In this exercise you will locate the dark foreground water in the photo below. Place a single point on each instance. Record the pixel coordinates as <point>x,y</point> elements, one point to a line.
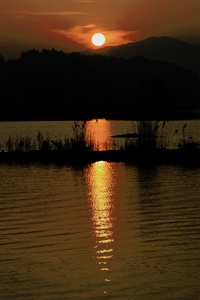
<point>105,231</point>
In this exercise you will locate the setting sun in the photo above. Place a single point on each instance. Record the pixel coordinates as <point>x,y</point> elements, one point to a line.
<point>98,39</point>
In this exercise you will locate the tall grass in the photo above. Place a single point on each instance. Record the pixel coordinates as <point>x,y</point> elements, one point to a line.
<point>19,143</point>
<point>188,143</point>
<point>77,142</point>
<point>150,135</point>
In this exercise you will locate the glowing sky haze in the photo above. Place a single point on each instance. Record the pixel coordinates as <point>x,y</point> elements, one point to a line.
<point>68,25</point>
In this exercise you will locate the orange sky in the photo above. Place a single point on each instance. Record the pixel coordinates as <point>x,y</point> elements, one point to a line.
<point>69,24</point>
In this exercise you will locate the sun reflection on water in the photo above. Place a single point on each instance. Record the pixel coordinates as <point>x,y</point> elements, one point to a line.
<point>99,133</point>
<point>101,181</point>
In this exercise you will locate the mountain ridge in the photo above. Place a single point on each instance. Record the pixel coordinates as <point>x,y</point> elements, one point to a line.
<point>52,84</point>
<point>163,48</point>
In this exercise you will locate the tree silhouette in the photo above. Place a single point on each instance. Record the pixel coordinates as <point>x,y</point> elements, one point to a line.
<point>52,84</point>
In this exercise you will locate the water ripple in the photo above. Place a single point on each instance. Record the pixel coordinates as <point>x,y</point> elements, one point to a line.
<point>107,230</point>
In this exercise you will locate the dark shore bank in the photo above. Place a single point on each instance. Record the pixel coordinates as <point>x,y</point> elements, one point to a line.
<point>154,157</point>
<point>133,114</point>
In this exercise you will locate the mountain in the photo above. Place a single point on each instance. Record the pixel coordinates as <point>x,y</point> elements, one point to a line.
<point>55,85</point>
<point>162,48</point>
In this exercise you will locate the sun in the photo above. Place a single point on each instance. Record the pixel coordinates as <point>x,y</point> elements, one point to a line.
<point>98,39</point>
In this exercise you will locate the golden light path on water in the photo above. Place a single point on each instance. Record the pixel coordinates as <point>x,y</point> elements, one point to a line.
<point>100,178</point>
<point>98,132</point>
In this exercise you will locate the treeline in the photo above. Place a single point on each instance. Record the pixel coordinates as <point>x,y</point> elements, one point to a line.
<point>55,85</point>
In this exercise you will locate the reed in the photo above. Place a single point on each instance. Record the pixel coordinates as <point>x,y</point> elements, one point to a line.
<point>150,135</point>
<point>188,143</point>
<point>76,143</point>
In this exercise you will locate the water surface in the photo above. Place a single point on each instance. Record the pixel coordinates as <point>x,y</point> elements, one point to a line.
<point>104,231</point>
<point>99,132</point>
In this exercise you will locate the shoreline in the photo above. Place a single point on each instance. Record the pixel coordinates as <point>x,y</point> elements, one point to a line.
<point>131,115</point>
<point>136,156</point>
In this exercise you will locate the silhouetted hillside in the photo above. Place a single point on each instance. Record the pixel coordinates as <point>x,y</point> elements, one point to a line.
<point>54,85</point>
<point>159,48</point>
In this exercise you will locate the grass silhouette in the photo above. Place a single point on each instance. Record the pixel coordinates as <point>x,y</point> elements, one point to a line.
<point>150,143</point>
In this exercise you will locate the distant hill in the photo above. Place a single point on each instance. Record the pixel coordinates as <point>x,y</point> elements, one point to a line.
<point>159,48</point>
<point>54,85</point>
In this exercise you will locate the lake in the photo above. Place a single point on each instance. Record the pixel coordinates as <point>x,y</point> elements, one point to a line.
<point>102,231</point>
<point>100,131</point>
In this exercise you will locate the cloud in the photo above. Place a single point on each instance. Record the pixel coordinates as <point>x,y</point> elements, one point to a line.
<point>82,35</point>
<point>86,1</point>
<point>118,37</point>
<point>48,13</point>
